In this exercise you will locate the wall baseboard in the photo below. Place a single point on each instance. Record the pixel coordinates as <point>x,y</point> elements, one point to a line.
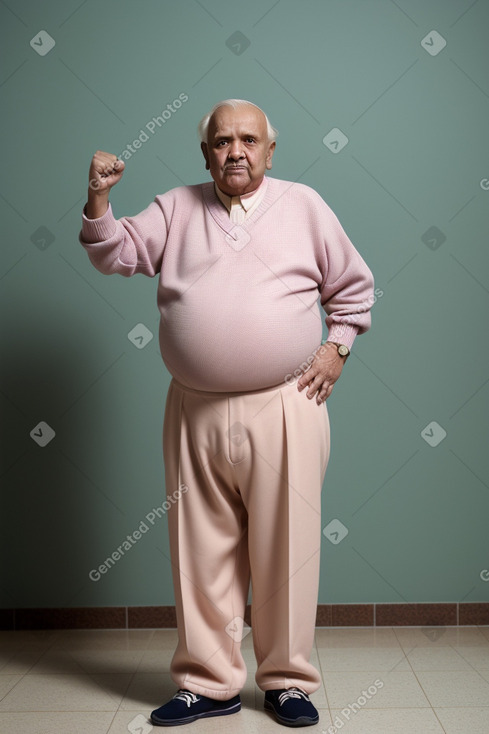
<point>328,615</point>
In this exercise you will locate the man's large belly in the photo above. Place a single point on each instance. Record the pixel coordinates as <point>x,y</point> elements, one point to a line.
<point>225,341</point>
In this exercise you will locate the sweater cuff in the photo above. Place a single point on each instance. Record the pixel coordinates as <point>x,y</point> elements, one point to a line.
<point>100,229</point>
<point>343,334</point>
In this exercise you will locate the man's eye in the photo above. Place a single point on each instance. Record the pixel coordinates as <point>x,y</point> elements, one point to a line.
<point>221,142</point>
<point>250,140</point>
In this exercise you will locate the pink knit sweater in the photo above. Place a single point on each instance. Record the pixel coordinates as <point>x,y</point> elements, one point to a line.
<point>239,303</point>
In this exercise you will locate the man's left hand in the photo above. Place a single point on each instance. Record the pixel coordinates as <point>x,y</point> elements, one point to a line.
<point>321,376</point>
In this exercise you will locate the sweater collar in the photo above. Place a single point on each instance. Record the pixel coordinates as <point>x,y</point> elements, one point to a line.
<point>215,206</point>
<point>246,200</point>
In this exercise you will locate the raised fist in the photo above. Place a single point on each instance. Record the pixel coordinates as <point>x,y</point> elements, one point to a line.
<point>105,171</point>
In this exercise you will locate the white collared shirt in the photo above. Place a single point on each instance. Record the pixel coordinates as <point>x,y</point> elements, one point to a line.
<point>240,207</point>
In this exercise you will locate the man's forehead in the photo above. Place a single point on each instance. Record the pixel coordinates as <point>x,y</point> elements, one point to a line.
<point>249,118</point>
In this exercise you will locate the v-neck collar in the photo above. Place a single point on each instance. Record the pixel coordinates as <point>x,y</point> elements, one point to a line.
<point>246,201</point>
<point>221,216</point>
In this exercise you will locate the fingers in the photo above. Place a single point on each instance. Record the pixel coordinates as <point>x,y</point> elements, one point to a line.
<point>306,378</point>
<point>319,377</point>
<point>317,385</point>
<point>312,380</point>
<point>314,386</point>
<point>103,166</point>
<point>107,163</point>
<point>324,394</point>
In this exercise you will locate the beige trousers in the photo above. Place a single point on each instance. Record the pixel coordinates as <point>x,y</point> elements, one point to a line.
<point>252,466</point>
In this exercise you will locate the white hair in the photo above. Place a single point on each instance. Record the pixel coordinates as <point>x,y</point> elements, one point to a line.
<point>234,103</point>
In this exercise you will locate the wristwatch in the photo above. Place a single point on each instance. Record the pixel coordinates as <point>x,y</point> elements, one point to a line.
<point>343,350</point>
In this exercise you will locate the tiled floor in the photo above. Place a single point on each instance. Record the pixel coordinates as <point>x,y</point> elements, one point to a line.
<point>397,680</point>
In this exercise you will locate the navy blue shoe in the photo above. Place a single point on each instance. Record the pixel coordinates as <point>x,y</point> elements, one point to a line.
<point>186,706</point>
<point>291,707</point>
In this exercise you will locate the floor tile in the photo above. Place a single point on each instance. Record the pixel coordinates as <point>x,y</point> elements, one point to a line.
<point>385,690</point>
<point>484,674</point>
<point>155,661</point>
<point>163,640</point>
<point>455,689</point>
<point>66,693</point>
<point>7,682</point>
<point>51,722</point>
<point>19,662</point>
<point>387,721</point>
<point>410,637</point>
<point>148,691</point>
<point>102,640</point>
<point>460,720</point>
<point>27,639</point>
<point>137,722</point>
<point>363,658</point>
<point>438,658</point>
<point>395,680</point>
<point>87,661</point>
<point>356,637</point>
<point>477,657</point>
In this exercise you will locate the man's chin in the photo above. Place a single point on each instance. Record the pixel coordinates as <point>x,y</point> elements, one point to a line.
<point>235,185</point>
<point>240,174</point>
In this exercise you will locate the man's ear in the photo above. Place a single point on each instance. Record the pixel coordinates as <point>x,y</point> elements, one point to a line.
<point>203,147</point>
<point>270,154</point>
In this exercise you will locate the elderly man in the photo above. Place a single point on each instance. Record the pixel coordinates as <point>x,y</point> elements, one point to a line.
<point>242,261</point>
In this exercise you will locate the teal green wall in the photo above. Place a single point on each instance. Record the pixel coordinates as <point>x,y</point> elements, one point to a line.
<point>417,126</point>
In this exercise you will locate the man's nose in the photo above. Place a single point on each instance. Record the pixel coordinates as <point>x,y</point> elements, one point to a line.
<point>236,150</point>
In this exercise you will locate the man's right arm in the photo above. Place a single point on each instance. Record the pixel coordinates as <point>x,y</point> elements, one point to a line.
<point>126,246</point>
<point>106,170</point>
<point>96,206</point>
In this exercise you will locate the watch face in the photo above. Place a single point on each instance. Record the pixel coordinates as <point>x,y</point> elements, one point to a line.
<point>343,350</point>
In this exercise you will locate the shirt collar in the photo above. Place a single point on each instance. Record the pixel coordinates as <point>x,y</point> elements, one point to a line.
<point>246,200</point>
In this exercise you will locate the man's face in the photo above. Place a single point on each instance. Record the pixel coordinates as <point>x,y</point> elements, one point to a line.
<point>237,151</point>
